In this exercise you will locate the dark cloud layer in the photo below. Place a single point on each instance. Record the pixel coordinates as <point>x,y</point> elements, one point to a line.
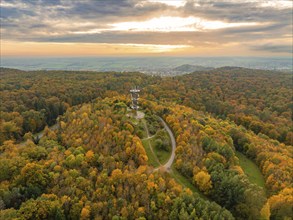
<point>275,48</point>
<point>57,20</point>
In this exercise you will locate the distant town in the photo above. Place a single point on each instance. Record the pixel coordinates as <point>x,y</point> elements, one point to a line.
<point>162,66</point>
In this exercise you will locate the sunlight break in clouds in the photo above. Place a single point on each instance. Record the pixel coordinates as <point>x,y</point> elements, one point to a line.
<point>168,24</point>
<point>175,24</point>
<point>175,3</point>
<point>156,48</point>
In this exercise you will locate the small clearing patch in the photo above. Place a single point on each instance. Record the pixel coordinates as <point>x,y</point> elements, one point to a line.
<point>152,158</point>
<point>251,170</point>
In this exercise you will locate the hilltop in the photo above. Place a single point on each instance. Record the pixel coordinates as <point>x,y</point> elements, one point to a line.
<point>231,125</point>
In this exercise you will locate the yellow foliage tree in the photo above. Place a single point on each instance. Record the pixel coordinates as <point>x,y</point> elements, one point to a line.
<point>89,155</point>
<point>265,211</point>
<point>85,213</point>
<point>203,180</point>
<point>116,174</point>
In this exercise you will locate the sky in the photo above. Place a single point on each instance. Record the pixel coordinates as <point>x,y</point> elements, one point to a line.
<point>146,28</point>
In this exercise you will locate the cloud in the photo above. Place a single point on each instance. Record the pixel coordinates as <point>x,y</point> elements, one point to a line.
<point>237,11</point>
<point>210,22</point>
<point>274,48</point>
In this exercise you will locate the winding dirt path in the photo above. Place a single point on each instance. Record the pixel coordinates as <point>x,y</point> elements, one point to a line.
<point>167,166</point>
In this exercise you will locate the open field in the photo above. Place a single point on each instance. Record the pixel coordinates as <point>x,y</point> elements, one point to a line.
<point>152,159</point>
<point>251,170</point>
<point>162,155</point>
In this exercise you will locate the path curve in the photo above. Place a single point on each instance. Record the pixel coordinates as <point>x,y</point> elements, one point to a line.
<point>40,134</point>
<point>168,165</point>
<point>53,128</point>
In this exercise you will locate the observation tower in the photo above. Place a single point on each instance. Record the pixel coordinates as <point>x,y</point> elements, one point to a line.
<point>134,98</point>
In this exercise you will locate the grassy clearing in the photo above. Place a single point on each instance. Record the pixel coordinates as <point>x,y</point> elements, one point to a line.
<point>133,121</point>
<point>152,159</point>
<point>251,170</point>
<point>185,182</point>
<point>162,155</point>
<point>159,155</point>
<point>140,125</point>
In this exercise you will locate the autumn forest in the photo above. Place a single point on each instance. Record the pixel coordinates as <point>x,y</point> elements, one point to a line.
<point>72,148</point>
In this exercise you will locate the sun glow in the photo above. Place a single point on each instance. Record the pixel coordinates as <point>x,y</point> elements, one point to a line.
<point>168,24</point>
<point>161,24</point>
<point>156,48</point>
<point>176,24</point>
